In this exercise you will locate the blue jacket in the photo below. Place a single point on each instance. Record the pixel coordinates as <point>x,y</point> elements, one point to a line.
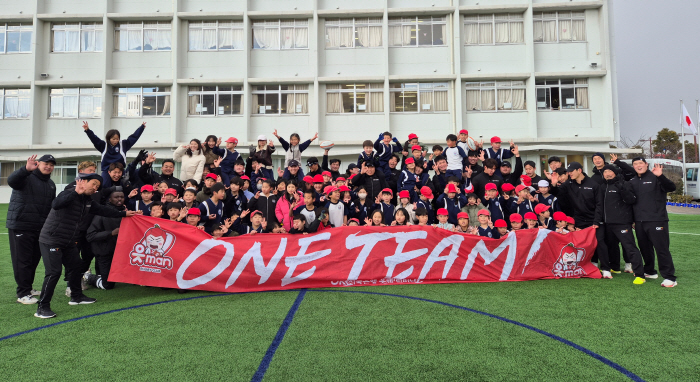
<point>112,154</point>
<point>498,208</point>
<point>407,181</point>
<point>367,158</point>
<point>453,206</point>
<point>384,152</point>
<point>489,232</point>
<point>230,158</point>
<point>138,205</point>
<point>500,155</point>
<point>288,175</point>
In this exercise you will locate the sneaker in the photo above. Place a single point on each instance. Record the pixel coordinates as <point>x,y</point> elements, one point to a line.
<point>81,300</point>
<point>68,291</point>
<point>614,271</point>
<point>668,283</point>
<point>628,268</point>
<point>35,292</point>
<point>654,276</point>
<point>44,313</point>
<point>639,281</point>
<point>27,300</point>
<point>83,281</point>
<point>606,274</point>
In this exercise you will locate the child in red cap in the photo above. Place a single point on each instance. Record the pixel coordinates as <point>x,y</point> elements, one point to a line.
<point>530,220</point>
<point>442,216</point>
<point>383,203</point>
<point>516,222</point>
<point>502,227</point>
<point>496,204</point>
<point>485,228</point>
<point>452,200</point>
<point>543,217</point>
<point>525,202</point>
<point>407,179</point>
<point>498,153</point>
<point>463,224</point>
<point>424,201</point>
<point>560,220</point>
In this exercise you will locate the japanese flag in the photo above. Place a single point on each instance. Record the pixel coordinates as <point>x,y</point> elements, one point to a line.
<point>687,122</point>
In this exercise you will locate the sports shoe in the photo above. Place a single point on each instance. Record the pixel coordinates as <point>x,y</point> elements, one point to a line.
<point>81,300</point>
<point>35,292</point>
<point>654,276</point>
<point>668,283</point>
<point>27,300</point>
<point>628,268</point>
<point>606,274</point>
<point>83,281</point>
<point>44,313</point>
<point>68,291</point>
<point>639,281</point>
<point>614,271</point>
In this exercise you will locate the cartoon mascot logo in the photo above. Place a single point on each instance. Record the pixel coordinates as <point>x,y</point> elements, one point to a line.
<point>151,250</point>
<point>567,265</point>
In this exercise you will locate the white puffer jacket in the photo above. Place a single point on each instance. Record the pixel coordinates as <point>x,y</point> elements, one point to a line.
<point>192,166</point>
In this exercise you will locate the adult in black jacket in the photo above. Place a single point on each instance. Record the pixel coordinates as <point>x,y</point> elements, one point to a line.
<point>148,176</point>
<point>490,175</point>
<point>617,199</point>
<point>371,178</point>
<point>512,175</point>
<point>651,219</point>
<point>30,203</point>
<point>102,235</point>
<point>59,236</point>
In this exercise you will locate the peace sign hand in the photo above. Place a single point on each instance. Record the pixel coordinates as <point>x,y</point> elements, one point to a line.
<point>85,126</point>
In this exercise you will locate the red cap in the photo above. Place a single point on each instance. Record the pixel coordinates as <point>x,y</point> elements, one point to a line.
<point>427,192</point>
<point>442,211</point>
<point>147,188</point>
<point>326,173</point>
<point>404,194</point>
<point>451,188</point>
<point>352,176</point>
<point>388,190</point>
<point>318,178</point>
<point>356,220</point>
<point>194,211</point>
<point>491,186</point>
<point>520,188</point>
<point>232,140</point>
<point>340,179</point>
<point>328,189</point>
<point>526,180</point>
<point>416,147</point>
<point>308,179</point>
<point>171,191</point>
<point>245,177</point>
<point>484,212</point>
<point>211,175</point>
<point>500,223</point>
<point>570,220</point>
<point>410,160</point>
<point>540,208</point>
<point>507,187</point>
<point>559,216</point>
<point>344,188</point>
<point>256,212</point>
<point>462,215</point>
<point>464,132</point>
<point>516,218</point>
<point>530,216</point>
<point>412,136</point>
<point>495,140</point>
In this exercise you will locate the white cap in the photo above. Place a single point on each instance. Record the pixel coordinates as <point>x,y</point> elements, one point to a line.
<point>542,183</point>
<point>262,138</point>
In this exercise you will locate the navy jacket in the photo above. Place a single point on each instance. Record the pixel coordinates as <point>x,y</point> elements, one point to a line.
<point>453,206</point>
<point>112,154</point>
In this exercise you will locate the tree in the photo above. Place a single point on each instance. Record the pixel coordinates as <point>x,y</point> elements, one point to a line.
<point>691,155</point>
<point>667,142</point>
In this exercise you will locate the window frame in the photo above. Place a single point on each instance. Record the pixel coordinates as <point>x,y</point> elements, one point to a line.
<point>20,27</point>
<point>81,28</point>
<point>560,86</point>
<point>354,32</point>
<point>215,28</point>
<point>497,85</point>
<point>493,23</point>
<point>420,90</point>
<point>128,27</point>
<point>279,92</point>
<point>415,23</point>
<point>79,94</point>
<point>4,97</point>
<point>140,95</point>
<point>216,93</point>
<point>542,18</point>
<point>279,28</point>
<point>354,91</point>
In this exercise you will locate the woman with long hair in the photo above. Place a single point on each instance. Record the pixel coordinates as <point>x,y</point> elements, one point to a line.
<point>192,160</point>
<point>210,143</point>
<point>286,203</point>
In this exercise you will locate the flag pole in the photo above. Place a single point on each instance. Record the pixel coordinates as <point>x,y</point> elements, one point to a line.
<point>695,136</point>
<point>685,191</point>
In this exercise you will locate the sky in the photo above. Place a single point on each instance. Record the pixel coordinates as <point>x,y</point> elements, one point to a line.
<point>658,64</point>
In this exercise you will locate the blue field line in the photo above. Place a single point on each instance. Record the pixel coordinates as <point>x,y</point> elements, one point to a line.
<point>265,363</point>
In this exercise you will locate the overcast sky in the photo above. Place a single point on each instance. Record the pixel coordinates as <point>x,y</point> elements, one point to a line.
<point>658,63</point>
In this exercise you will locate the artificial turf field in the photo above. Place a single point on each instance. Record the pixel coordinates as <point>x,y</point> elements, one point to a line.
<point>622,331</point>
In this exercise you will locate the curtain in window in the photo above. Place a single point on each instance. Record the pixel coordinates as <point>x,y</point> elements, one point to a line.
<point>287,37</point>
<point>485,34</point>
<point>301,37</point>
<point>267,38</point>
<point>473,100</point>
<point>11,107</point>
<point>237,39</point>
<point>118,106</point>
<point>334,103</point>
<point>537,32</point>
<point>427,102</point>
<point>86,110</point>
<point>302,99</point>
<point>369,36</point>
<point>150,39</point>
<point>406,33</point>
<point>209,39</point>
<point>332,37</point>
<point>376,102</point>
<point>582,94</point>
<point>70,107</point>
<point>196,39</point>
<point>225,38</point>
<point>565,30</point>
<point>255,104</point>
<point>98,41</point>
<point>441,103</point>
<point>505,96</point>
<point>395,35</point>
<point>393,99</point>
<point>166,104</point>
<point>502,33</point>
<point>72,41</point>
<point>290,105</point>
<point>59,41</point>
<point>518,99</point>
<point>471,33</point>
<point>516,33</point>
<point>345,37</point>
<point>579,30</point>
<point>87,41</point>
<point>165,36</point>
<point>134,42</point>
<point>549,29</point>
<point>23,107</point>
<point>56,106</point>
<point>488,100</point>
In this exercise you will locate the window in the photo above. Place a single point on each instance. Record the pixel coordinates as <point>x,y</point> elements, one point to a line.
<point>64,173</point>
<point>354,33</point>
<point>417,31</point>
<point>7,168</point>
<point>354,98</point>
<point>500,28</point>
<point>14,103</point>
<point>562,94</point>
<point>76,103</point>
<point>281,99</point>
<point>418,97</point>
<point>215,100</point>
<point>142,102</point>
<point>691,174</point>
<point>559,26</point>
<point>496,96</point>
<point>76,37</point>
<point>142,36</point>
<point>281,34</point>
<point>15,38</point>
<point>216,35</point>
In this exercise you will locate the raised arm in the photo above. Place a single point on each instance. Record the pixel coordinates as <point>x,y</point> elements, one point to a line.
<point>131,141</point>
<point>96,141</point>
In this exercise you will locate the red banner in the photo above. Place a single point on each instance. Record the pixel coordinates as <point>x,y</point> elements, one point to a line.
<point>160,253</point>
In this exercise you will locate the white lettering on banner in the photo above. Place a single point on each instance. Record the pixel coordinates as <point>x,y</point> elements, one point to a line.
<point>367,242</point>
<point>455,241</point>
<point>262,270</point>
<point>201,249</point>
<point>302,257</point>
<point>399,256</point>
<point>541,235</point>
<point>480,249</point>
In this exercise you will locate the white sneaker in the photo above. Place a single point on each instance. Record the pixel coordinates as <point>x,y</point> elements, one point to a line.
<point>606,274</point>
<point>654,276</point>
<point>27,300</point>
<point>35,292</point>
<point>68,291</point>
<point>628,268</point>
<point>668,283</point>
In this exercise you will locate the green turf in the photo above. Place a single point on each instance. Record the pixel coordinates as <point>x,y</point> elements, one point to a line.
<point>649,330</point>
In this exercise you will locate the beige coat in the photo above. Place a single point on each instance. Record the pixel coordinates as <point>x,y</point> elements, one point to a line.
<point>192,166</point>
